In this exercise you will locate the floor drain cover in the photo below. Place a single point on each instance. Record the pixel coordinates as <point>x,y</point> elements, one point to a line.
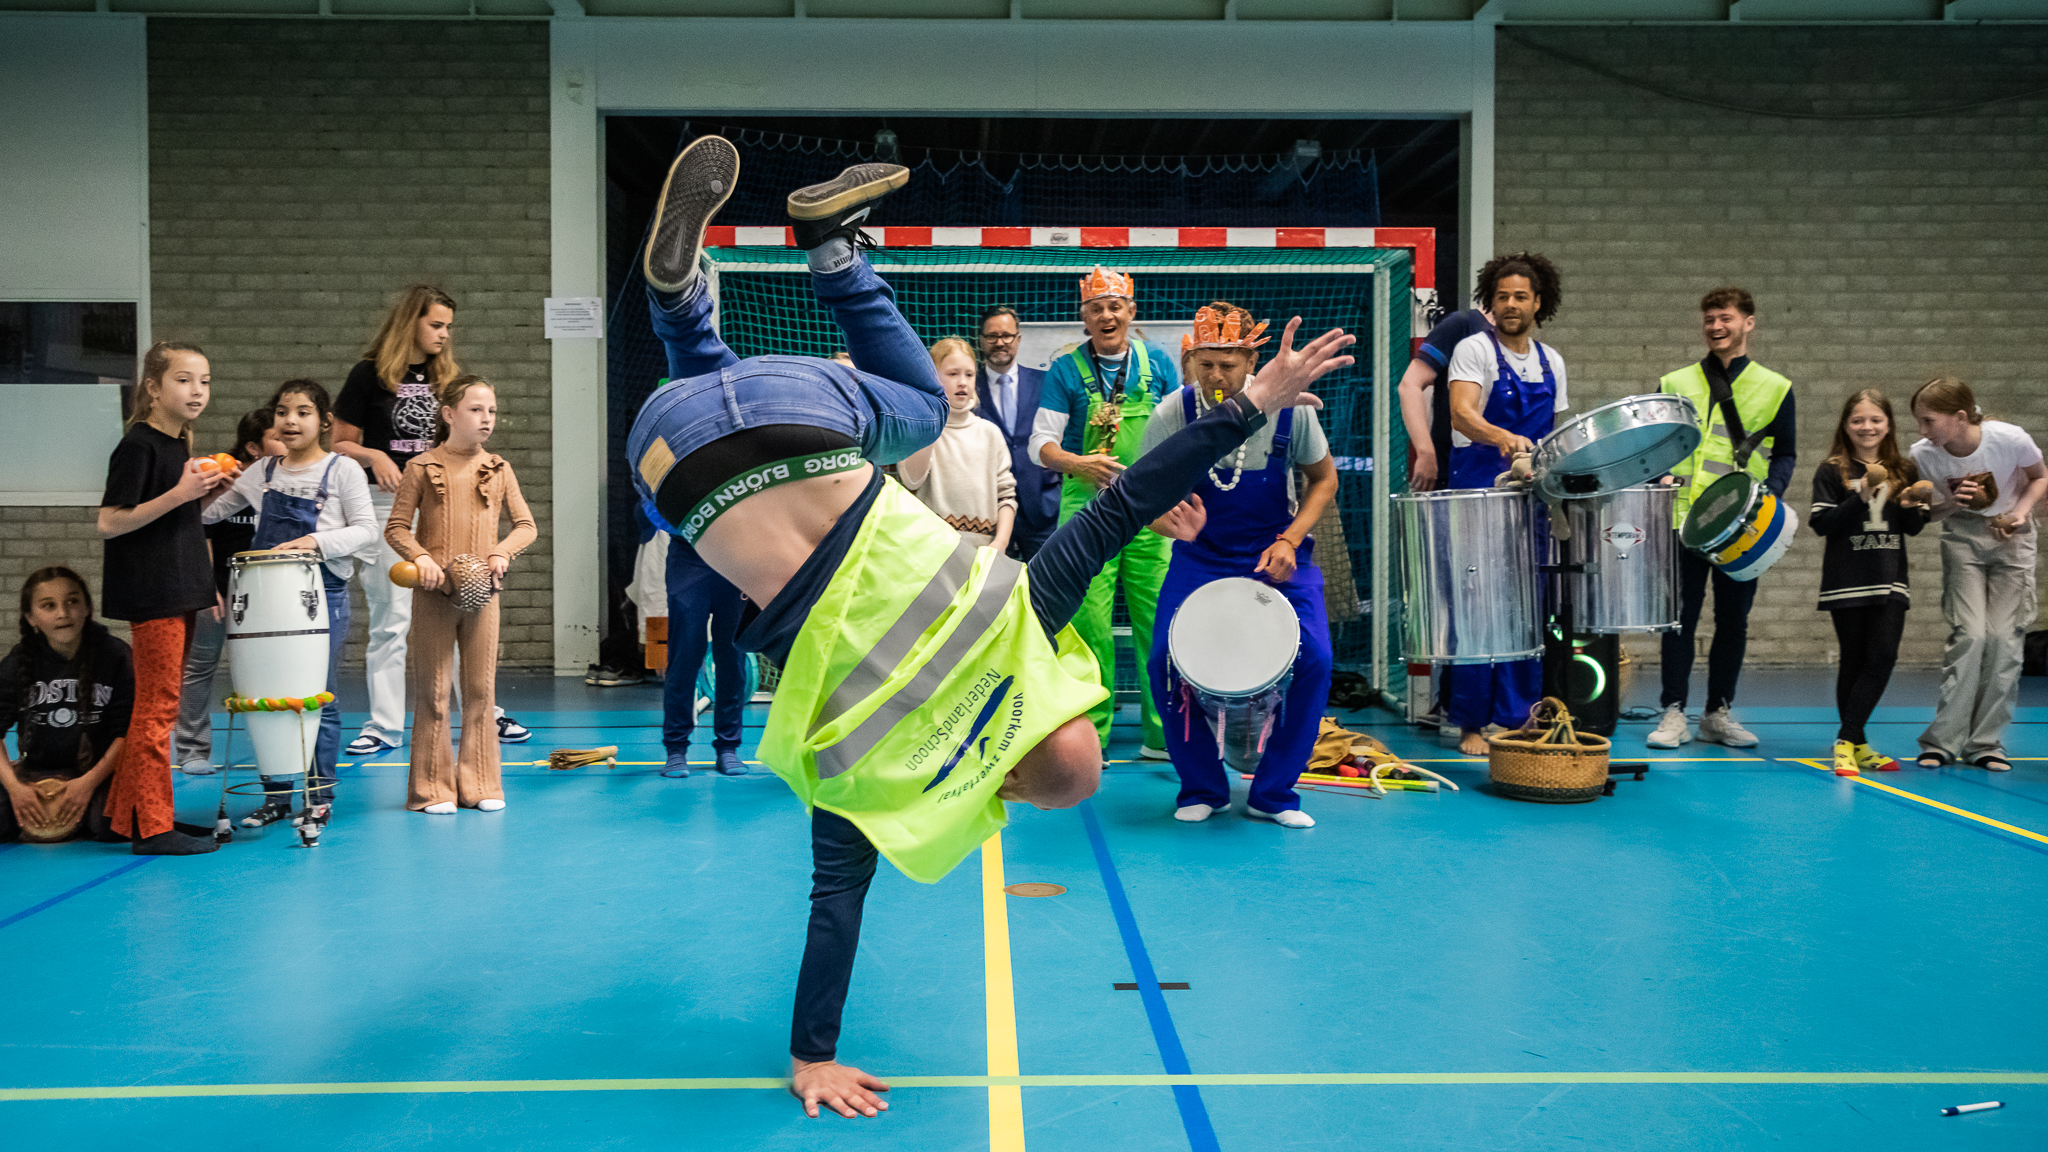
<point>1034,889</point>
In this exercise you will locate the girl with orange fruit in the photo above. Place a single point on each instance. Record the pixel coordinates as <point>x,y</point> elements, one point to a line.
<point>157,575</point>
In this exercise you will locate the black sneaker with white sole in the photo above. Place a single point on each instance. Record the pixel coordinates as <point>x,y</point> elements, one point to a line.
<point>840,207</point>
<point>511,731</point>
<point>368,745</point>
<point>699,183</point>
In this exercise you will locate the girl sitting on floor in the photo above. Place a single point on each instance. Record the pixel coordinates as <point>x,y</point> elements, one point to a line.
<point>70,685</point>
<point>1865,506</point>
<point>459,491</point>
<point>310,500</point>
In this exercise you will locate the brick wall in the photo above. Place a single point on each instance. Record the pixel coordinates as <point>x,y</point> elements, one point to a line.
<point>1879,250</point>
<point>302,172</point>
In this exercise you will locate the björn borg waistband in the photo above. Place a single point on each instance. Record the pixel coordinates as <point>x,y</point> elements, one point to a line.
<point>769,475</point>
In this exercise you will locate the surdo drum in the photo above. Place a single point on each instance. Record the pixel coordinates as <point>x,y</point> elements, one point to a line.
<point>1233,644</point>
<point>277,645</point>
<point>1739,526</point>
<point>1630,559</point>
<point>1468,567</point>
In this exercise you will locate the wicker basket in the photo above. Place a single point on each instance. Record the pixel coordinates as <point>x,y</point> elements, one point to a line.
<point>1548,762</point>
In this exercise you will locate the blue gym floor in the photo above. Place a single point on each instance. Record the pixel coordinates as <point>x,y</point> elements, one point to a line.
<point>1740,951</point>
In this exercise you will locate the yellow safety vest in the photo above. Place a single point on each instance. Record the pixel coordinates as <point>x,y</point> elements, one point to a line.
<point>919,679</point>
<point>1758,393</point>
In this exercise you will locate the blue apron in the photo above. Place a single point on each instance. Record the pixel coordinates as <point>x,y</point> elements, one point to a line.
<point>1243,523</point>
<point>1515,405</point>
<point>1475,695</point>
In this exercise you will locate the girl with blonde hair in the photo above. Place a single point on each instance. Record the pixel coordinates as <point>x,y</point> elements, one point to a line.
<point>965,475</point>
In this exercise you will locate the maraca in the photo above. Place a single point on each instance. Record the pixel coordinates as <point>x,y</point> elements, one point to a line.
<point>405,574</point>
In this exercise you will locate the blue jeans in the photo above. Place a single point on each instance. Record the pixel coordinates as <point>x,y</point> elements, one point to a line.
<point>890,402</point>
<point>703,608</point>
<point>327,746</point>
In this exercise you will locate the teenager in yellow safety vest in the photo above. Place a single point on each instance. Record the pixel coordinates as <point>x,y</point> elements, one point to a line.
<point>1747,422</point>
<point>924,681</point>
<point>1092,412</point>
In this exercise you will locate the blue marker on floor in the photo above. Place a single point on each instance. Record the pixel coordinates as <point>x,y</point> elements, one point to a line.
<point>1959,1109</point>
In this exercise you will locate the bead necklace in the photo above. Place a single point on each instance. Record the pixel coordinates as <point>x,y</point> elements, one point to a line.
<point>1237,463</point>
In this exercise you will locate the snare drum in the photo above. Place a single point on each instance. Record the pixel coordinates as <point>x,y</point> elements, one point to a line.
<point>1233,643</point>
<point>1615,446</point>
<point>1739,526</point>
<point>277,647</point>
<point>1468,567</point>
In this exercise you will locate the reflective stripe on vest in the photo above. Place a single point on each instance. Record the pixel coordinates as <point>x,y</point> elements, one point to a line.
<point>867,677</point>
<point>988,604</point>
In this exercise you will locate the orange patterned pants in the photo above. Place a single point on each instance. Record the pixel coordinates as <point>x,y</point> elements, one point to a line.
<point>139,803</point>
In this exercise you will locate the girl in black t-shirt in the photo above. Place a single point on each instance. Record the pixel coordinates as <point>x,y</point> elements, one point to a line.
<point>382,419</point>
<point>157,574</point>
<point>1863,506</point>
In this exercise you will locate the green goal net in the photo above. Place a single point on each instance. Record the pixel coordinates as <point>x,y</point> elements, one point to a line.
<point>765,307</point>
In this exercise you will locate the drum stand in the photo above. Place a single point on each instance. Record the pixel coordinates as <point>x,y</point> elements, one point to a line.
<point>1559,651</point>
<point>310,819</point>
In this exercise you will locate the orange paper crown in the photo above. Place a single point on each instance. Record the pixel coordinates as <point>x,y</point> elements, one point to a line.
<point>1215,329</point>
<point>1104,283</point>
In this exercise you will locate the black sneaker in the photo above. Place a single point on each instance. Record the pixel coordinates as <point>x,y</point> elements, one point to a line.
<point>620,677</point>
<point>270,813</point>
<point>173,843</point>
<point>511,731</point>
<point>841,206</point>
<point>698,184</point>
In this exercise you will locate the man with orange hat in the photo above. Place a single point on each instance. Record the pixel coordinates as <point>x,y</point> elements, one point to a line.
<point>1093,408</point>
<point>1249,516</point>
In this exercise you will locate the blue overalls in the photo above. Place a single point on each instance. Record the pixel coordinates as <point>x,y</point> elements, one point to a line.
<point>1243,523</point>
<point>1475,695</point>
<point>284,517</point>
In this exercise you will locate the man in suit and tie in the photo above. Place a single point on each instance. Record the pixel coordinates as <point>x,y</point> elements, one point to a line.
<point>1008,394</point>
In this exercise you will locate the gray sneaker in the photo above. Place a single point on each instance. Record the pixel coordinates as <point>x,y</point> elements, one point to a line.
<point>1721,727</point>
<point>699,182</point>
<point>1672,730</point>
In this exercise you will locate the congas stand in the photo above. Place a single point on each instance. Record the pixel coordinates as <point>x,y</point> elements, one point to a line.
<point>1561,655</point>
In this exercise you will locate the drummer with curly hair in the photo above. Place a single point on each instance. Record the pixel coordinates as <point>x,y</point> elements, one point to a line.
<point>1249,516</point>
<point>1505,393</point>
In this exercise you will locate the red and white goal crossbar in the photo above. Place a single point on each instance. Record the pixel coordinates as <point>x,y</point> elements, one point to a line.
<point>1421,243</point>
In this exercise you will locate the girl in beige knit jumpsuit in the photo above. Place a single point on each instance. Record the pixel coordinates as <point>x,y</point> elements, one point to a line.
<point>459,491</point>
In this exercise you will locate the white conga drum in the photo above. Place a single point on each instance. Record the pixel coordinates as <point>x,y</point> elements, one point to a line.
<point>1233,644</point>
<point>277,646</point>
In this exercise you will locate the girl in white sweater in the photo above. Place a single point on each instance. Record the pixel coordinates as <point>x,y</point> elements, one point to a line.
<point>965,475</point>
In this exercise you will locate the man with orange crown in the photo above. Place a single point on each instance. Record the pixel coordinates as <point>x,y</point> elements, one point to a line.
<point>1093,409</point>
<point>1250,516</point>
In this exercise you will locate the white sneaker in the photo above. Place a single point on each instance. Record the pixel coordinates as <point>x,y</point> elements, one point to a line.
<point>490,805</point>
<point>1196,813</point>
<point>1148,753</point>
<point>444,808</point>
<point>1721,727</point>
<point>1291,818</point>
<point>1672,730</point>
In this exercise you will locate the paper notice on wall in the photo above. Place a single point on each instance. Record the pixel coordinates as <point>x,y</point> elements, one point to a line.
<point>575,317</point>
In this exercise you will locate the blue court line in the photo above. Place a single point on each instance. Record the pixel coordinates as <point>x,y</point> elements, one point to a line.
<point>61,897</point>
<point>1194,1115</point>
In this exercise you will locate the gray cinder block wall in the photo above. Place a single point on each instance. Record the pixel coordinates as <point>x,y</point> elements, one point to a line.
<point>302,172</point>
<point>1880,250</point>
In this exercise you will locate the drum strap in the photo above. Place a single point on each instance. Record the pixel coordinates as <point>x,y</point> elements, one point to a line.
<point>1721,392</point>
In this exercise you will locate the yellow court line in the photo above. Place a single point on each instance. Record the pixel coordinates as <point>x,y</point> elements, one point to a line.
<point>1915,796</point>
<point>1013,1083</point>
<point>1005,1101</point>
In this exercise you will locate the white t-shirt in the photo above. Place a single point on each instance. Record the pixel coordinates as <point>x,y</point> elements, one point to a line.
<point>1473,360</point>
<point>2005,451</point>
<point>346,525</point>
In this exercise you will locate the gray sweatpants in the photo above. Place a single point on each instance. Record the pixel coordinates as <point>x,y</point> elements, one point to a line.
<point>1987,596</point>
